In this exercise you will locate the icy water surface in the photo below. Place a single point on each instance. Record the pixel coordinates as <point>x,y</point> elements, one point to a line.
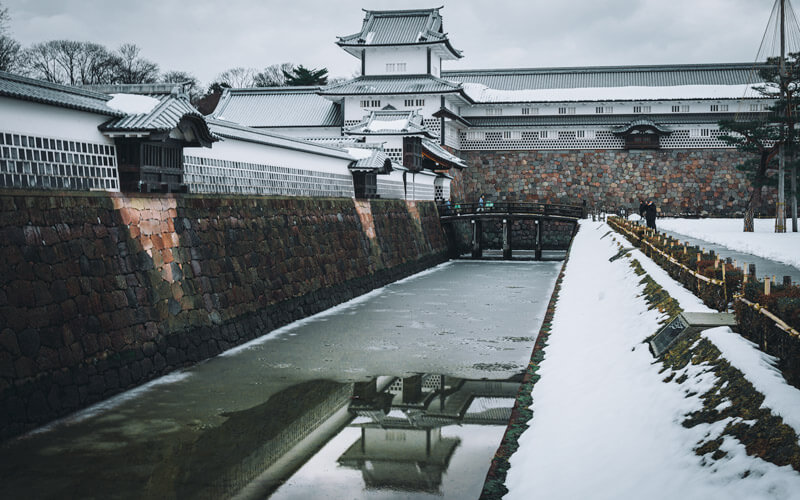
<point>402,393</point>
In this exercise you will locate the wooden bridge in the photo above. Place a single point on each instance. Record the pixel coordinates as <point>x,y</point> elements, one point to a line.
<point>508,213</point>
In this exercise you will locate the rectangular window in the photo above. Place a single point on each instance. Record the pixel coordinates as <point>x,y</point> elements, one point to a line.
<point>420,102</point>
<point>530,111</point>
<point>585,134</point>
<point>494,111</point>
<point>545,134</point>
<point>409,102</point>
<point>758,107</point>
<point>475,135</point>
<point>368,103</point>
<point>700,132</point>
<point>390,67</point>
<point>641,109</point>
<point>685,108</point>
<point>676,109</point>
<point>566,111</point>
<point>714,108</point>
<point>401,67</point>
<point>604,109</point>
<point>512,135</point>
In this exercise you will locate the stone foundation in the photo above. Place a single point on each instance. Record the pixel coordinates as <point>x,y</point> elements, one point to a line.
<point>102,292</point>
<point>680,181</point>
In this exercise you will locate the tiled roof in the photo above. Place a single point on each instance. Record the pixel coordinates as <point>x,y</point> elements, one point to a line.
<point>65,96</point>
<point>165,116</point>
<point>279,107</point>
<point>377,162</point>
<point>399,27</point>
<point>390,122</point>
<point>441,155</point>
<point>230,130</point>
<point>382,85</point>
<point>641,122</point>
<point>599,120</point>
<point>609,76</point>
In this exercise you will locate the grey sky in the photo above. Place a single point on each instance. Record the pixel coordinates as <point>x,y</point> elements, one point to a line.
<point>206,37</point>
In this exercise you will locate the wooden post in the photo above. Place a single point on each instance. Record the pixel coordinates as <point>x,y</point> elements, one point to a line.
<point>477,250</point>
<point>766,285</point>
<point>507,239</point>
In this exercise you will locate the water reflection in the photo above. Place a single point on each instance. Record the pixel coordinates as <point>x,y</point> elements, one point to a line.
<point>350,404</point>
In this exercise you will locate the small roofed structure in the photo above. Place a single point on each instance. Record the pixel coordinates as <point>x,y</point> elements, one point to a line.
<point>390,122</point>
<point>416,27</point>
<point>160,121</point>
<point>366,168</point>
<point>641,134</point>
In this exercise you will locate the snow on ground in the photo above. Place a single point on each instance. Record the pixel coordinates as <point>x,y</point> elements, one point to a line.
<point>764,242</point>
<point>605,425</point>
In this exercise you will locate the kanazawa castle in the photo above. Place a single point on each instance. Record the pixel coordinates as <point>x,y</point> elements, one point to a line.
<point>409,128</point>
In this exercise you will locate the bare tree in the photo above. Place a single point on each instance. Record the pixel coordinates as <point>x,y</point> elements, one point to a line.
<point>190,83</point>
<point>69,62</point>
<point>9,48</point>
<point>130,68</point>
<point>237,77</point>
<point>273,75</point>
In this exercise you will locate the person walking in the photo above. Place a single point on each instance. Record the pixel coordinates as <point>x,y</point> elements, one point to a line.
<point>650,214</point>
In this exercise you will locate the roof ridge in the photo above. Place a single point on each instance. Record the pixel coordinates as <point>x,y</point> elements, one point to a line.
<point>70,89</point>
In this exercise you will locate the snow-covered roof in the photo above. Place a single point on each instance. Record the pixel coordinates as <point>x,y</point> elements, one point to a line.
<point>483,94</point>
<point>610,76</point>
<point>65,96</point>
<point>390,122</point>
<point>400,27</point>
<point>230,130</point>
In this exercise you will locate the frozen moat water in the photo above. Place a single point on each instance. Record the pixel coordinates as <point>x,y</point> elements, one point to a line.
<point>402,393</point>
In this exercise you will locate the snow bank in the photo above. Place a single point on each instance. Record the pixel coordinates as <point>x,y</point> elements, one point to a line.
<point>605,425</point>
<point>764,242</point>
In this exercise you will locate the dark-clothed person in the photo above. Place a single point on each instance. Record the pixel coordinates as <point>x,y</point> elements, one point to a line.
<point>650,214</point>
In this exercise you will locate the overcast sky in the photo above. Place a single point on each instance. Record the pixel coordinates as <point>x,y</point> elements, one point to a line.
<point>206,37</point>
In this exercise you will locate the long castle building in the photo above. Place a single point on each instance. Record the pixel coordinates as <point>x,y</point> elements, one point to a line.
<point>608,136</point>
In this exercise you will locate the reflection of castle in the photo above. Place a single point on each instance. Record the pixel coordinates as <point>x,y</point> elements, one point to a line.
<point>401,444</point>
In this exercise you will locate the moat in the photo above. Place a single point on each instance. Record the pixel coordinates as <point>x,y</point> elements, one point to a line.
<point>402,393</point>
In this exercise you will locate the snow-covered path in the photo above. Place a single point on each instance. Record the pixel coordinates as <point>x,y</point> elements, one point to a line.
<point>605,425</point>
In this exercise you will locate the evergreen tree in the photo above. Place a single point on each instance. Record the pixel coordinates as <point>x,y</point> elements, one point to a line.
<point>304,76</point>
<point>763,137</point>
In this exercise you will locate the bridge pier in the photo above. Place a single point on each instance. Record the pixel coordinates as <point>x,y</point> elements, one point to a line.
<point>477,248</point>
<point>507,223</point>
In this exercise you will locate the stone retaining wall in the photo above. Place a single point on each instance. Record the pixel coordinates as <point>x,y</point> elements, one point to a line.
<point>101,292</point>
<point>679,181</point>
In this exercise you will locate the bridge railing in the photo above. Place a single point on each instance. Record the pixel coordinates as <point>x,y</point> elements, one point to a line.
<point>511,208</point>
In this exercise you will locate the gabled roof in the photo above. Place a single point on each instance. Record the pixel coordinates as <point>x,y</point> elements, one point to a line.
<point>390,122</point>
<point>279,107</point>
<point>642,123</point>
<point>230,130</point>
<point>29,89</point>
<point>375,161</point>
<point>388,85</point>
<point>610,76</point>
<point>399,27</point>
<point>173,110</point>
